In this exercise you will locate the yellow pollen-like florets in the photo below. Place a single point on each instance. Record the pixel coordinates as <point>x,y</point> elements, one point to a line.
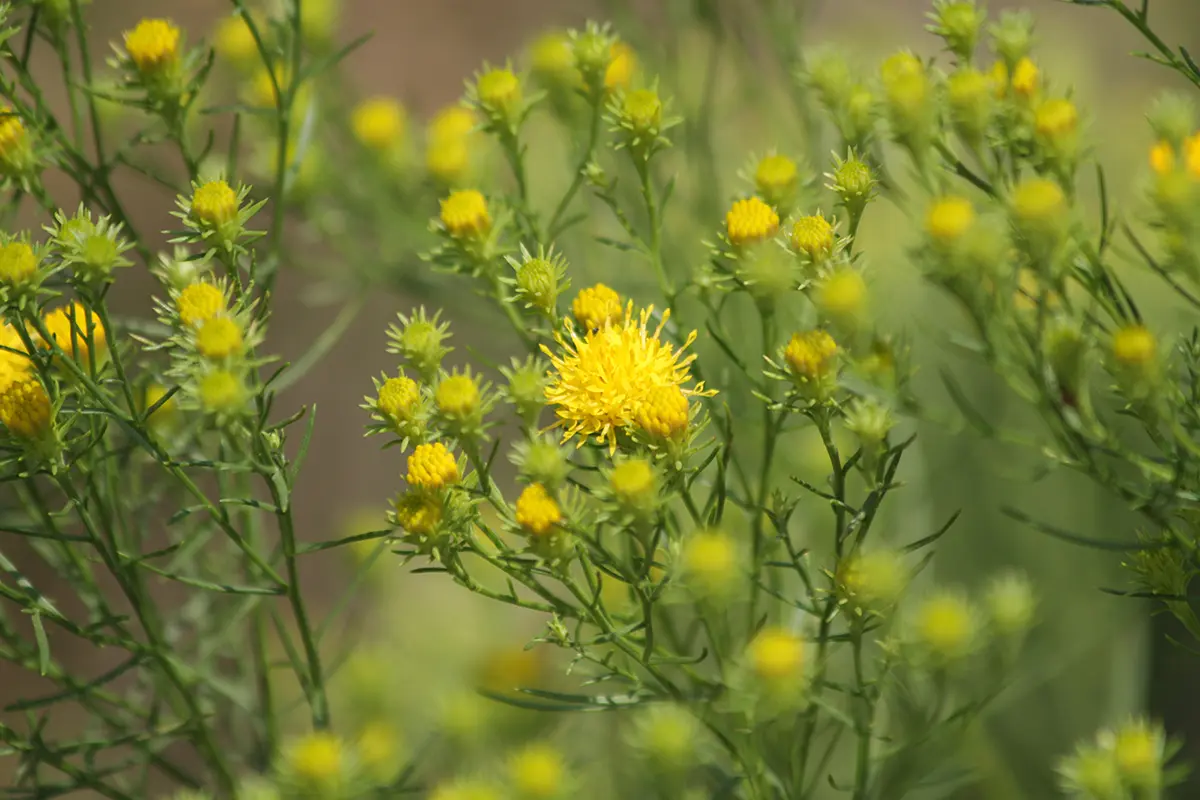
<point>536,511</point>
<point>498,90</point>
<point>750,220</point>
<point>432,466</point>
<point>946,625</point>
<point>219,337</point>
<point>948,218</point>
<point>12,133</point>
<point>152,45</point>
<point>419,513</point>
<point>18,263</point>
<point>1133,346</point>
<point>776,654</point>
<point>842,295</point>
<point>70,327</point>
<point>632,480</point>
<point>221,391</point>
<point>378,123</point>
<point>664,413</point>
<point>465,214</point>
<point>602,380</point>
<point>1191,155</point>
<point>214,203</point>
<point>1056,118</point>
<point>398,398</point>
<point>25,407</point>
<point>1025,78</point>
<point>457,396</point>
<point>621,65</point>
<point>596,307</point>
<point>1137,751</point>
<point>813,236</point>
<point>1039,201</point>
<point>642,110</point>
<point>811,354</point>
<point>198,303</point>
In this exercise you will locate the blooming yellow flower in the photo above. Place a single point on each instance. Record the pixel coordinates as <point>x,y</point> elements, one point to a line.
<point>432,466</point>
<point>601,381</point>
<point>69,327</point>
<point>1056,118</point>
<point>813,236</point>
<point>448,160</point>
<point>14,139</point>
<point>214,203</point>
<point>465,214</point>
<point>452,122</point>
<point>750,220</point>
<point>18,263</point>
<point>398,398</point>
<point>153,45</point>
<point>198,303</point>
<point>499,91</point>
<point>317,759</point>
<point>13,365</point>
<point>536,511</point>
<point>710,562</point>
<point>1162,157</point>
<point>1134,346</point>
<point>418,512</point>
<point>378,123</point>
<point>812,354</point>
<point>1039,202</point>
<point>1025,78</point>
<point>219,337</point>
<point>775,176</point>
<point>642,111</point>
<point>596,307</point>
<point>948,218</point>
<point>1138,752</point>
<point>25,407</point>
<point>842,295</point>
<point>457,396</point>
<point>632,481</point>
<point>221,392</point>
<point>776,655</point>
<point>537,772</point>
<point>664,413</point>
<point>874,578</point>
<point>552,57</point>
<point>621,66</point>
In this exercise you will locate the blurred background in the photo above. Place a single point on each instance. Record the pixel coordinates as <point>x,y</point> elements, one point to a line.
<point>1095,658</point>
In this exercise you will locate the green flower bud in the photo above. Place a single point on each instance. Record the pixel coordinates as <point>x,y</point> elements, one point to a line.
<point>1173,118</point>
<point>1012,36</point>
<point>541,460</point>
<point>854,184</point>
<point>1010,603</point>
<point>828,72</point>
<point>972,98</point>
<point>420,340</point>
<point>526,388</point>
<point>958,23</point>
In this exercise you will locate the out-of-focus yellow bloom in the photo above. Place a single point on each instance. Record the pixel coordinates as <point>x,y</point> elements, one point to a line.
<point>552,57</point>
<point>234,41</point>
<point>1162,157</point>
<point>499,91</point>
<point>948,218</point>
<point>536,511</point>
<point>1056,118</point>
<point>621,66</point>
<point>946,624</point>
<point>1025,78</point>
<point>776,655</point>
<point>222,392</point>
<point>775,177</point>
<point>25,407</point>
<point>219,337</point>
<point>537,772</point>
<point>750,220</point>
<point>710,562</point>
<point>379,123</point>
<point>198,303</point>
<point>318,759</point>
<point>70,326</point>
<point>378,748</point>
<point>15,152</point>
<point>842,295</point>
<point>18,263</point>
<point>633,481</point>
<point>1134,346</point>
<point>432,466</point>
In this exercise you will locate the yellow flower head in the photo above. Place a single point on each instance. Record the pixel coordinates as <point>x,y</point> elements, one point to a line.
<point>317,759</point>
<point>153,45</point>
<point>25,407</point>
<point>873,579</point>
<point>536,511</point>
<point>398,398</point>
<point>198,303</point>
<point>813,236</point>
<point>219,337</point>
<point>775,176</point>
<point>664,413</point>
<point>432,466</point>
<point>418,512</point>
<point>234,41</point>
<point>949,218</point>
<point>465,214</point>
<point>214,203</point>
<point>1162,157</point>
<point>750,220</point>
<point>448,160</point>
<point>18,263</point>
<point>378,123</point>
<point>1138,752</point>
<point>710,562</point>
<point>842,295</point>
<point>13,136</point>
<point>499,91</point>
<point>946,624</point>
<point>621,66</point>
<point>552,56</point>
<point>642,111</point>
<point>13,365</point>
<point>222,392</point>
<point>457,396</point>
<point>1134,346</point>
<point>538,771</point>
<point>1039,202</point>
<point>602,380</point>
<point>452,123</point>
<point>69,327</point>
<point>1056,118</point>
<point>632,480</point>
<point>597,307</point>
<point>812,354</point>
<point>776,655</point>
<point>1025,78</point>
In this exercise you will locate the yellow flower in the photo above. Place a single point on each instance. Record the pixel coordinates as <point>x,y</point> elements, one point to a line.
<point>398,398</point>
<point>457,396</point>
<point>432,466</point>
<point>221,392</point>
<point>664,413</point>
<point>813,236</point>
<point>946,624</point>
<point>632,481</point>
<point>448,160</point>
<point>597,307</point>
<point>536,511</point>
<point>499,91</point>
<point>25,407</point>
<point>378,123</point>
<point>999,76</point>
<point>317,759</point>
<point>153,45</point>
<point>710,562</point>
<point>198,303</point>
<point>621,65</point>
<point>219,337</point>
<point>1138,751</point>
<point>1191,155</point>
<point>13,365</point>
<point>214,203</point>
<point>812,354</point>
<point>601,381</point>
<point>750,220</point>
<point>418,512</point>
<point>1056,118</point>
<point>949,218</point>
<point>234,41</point>
<point>641,111</point>
<point>776,655</point>
<point>465,214</point>
<point>1162,157</point>
<point>14,139</point>
<point>18,263</point>
<point>69,327</point>
<point>873,579</point>
<point>452,123</point>
<point>1025,78</point>
<point>1134,346</point>
<point>538,771</point>
<point>775,177</point>
<point>842,295</point>
<point>1039,202</point>
<point>552,56</point>
<point>378,747</point>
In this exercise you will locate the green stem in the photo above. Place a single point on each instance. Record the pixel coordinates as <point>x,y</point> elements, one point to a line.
<point>553,229</point>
